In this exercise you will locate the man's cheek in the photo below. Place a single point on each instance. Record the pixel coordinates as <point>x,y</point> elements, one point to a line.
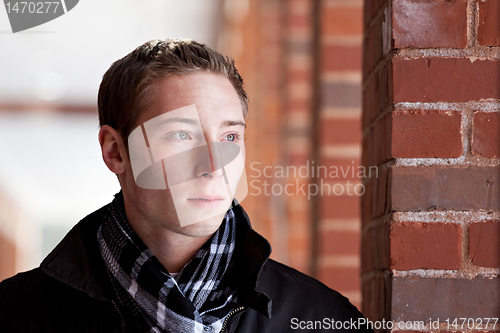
<point>237,179</point>
<point>187,165</point>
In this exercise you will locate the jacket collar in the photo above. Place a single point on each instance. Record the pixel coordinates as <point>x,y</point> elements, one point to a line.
<point>77,262</point>
<point>255,251</point>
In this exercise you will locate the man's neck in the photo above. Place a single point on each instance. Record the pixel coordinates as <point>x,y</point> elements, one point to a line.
<point>173,245</point>
<point>173,251</point>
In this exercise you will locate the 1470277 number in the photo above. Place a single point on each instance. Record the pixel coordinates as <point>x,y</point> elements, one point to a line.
<point>31,7</point>
<point>470,323</point>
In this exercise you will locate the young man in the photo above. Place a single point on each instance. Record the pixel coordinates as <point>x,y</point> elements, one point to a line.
<point>174,251</point>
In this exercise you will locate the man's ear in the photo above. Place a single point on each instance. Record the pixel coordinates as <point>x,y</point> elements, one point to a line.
<point>113,149</point>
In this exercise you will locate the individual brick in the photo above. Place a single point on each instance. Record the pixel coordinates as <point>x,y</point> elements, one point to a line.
<point>298,19</point>
<point>334,242</point>
<point>488,29</point>
<point>342,21</point>
<point>375,248</point>
<point>426,299</point>
<point>298,158</point>
<point>435,79</point>
<point>383,199</point>
<point>420,245</point>
<point>371,7</point>
<point>376,143</point>
<point>376,294</point>
<point>341,94</point>
<point>340,278</point>
<point>424,133</point>
<point>377,94</point>
<point>486,134</point>
<point>298,75</point>
<point>342,206</point>
<point>367,202</point>
<point>340,58</point>
<point>484,244</point>
<point>445,188</point>
<point>424,24</point>
<point>371,100</point>
<point>350,166</point>
<point>372,47</point>
<point>340,131</point>
<point>376,201</point>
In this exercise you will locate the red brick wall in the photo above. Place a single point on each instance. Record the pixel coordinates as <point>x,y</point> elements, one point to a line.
<point>301,60</point>
<point>298,48</point>
<point>339,145</point>
<point>431,123</point>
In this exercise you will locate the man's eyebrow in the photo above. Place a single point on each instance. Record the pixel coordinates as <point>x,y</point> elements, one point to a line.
<point>180,120</point>
<point>229,123</point>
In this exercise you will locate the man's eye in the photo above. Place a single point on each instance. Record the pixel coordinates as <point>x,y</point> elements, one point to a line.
<point>232,137</point>
<point>182,135</point>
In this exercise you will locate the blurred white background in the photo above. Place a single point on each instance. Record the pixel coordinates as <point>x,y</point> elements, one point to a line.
<point>51,171</point>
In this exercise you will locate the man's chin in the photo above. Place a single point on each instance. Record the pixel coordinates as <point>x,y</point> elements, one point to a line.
<point>203,228</point>
<point>200,212</point>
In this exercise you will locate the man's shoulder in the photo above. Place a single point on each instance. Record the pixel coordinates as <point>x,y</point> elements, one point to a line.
<point>27,283</point>
<point>26,291</point>
<point>291,280</point>
<point>34,286</point>
<point>33,301</point>
<point>297,292</point>
<point>72,265</point>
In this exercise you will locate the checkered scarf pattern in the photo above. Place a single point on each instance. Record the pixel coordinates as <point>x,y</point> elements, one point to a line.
<point>195,301</point>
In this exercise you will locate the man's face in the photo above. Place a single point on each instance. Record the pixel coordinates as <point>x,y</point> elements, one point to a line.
<point>186,154</point>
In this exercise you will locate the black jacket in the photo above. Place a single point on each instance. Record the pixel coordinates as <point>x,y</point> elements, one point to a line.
<point>71,292</point>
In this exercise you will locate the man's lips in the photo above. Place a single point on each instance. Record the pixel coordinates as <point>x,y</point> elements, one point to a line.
<point>207,197</point>
<point>206,201</point>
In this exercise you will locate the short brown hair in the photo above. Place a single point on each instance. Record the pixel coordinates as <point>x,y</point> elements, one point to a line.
<point>124,87</point>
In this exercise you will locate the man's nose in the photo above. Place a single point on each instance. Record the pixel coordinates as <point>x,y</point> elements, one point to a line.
<point>209,162</point>
<point>203,161</point>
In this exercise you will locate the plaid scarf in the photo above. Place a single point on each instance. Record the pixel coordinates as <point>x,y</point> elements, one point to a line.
<point>193,302</point>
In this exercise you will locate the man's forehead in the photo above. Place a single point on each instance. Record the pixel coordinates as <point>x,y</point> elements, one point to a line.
<point>208,91</point>
<point>187,114</point>
<point>190,115</point>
